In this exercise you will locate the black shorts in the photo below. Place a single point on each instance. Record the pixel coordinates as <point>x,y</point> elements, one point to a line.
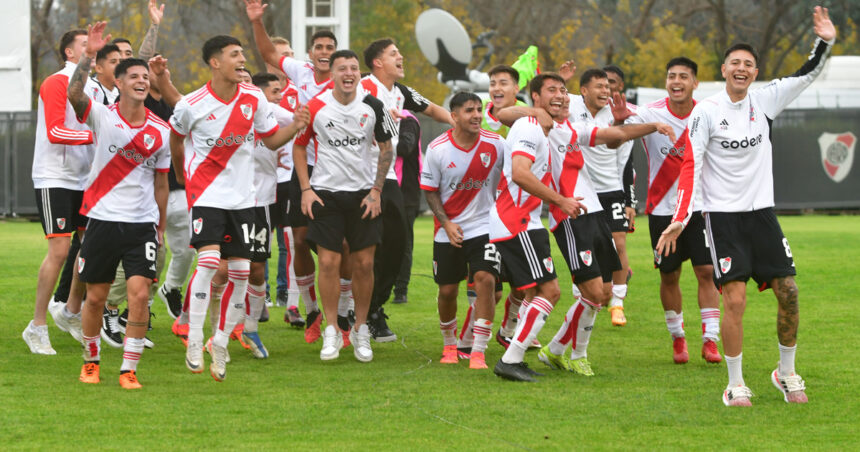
<point>613,210</point>
<point>279,212</point>
<point>587,247</point>
<point>108,243</point>
<point>748,244</point>
<point>339,219</point>
<point>261,235</point>
<point>527,259</point>
<point>692,243</point>
<point>229,228</point>
<point>295,216</point>
<point>452,265</point>
<point>60,211</point>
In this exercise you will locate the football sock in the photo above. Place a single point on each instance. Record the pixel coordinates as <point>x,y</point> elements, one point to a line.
<point>710,324</point>
<point>131,352</point>
<point>675,323</point>
<point>584,325</point>
<point>576,292</point>
<point>233,300</point>
<point>92,348</point>
<point>786,359</point>
<point>466,335</point>
<point>482,330</point>
<point>345,295</point>
<point>736,376</point>
<point>306,289</point>
<point>449,332</point>
<point>564,334</point>
<point>512,310</point>
<point>619,293</point>
<point>199,291</point>
<point>215,305</point>
<point>527,329</point>
<point>256,301</point>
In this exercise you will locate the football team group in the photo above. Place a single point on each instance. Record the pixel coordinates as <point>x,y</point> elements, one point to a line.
<point>328,159</point>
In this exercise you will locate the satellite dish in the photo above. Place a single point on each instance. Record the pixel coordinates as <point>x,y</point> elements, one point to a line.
<point>445,43</point>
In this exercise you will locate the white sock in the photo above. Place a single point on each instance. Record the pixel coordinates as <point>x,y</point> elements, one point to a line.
<point>233,300</point>
<point>482,330</point>
<point>562,337</point>
<point>92,346</point>
<point>584,327</point>
<point>345,295</point>
<point>215,306</point>
<point>710,324</point>
<point>131,352</point>
<point>619,293</point>
<point>306,289</point>
<point>512,311</point>
<point>449,332</point>
<point>466,334</point>
<point>736,375</point>
<point>200,291</point>
<point>674,323</point>
<point>256,301</point>
<point>527,329</point>
<point>786,360</point>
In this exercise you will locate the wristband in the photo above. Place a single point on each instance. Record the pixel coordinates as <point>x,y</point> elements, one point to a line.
<point>376,188</point>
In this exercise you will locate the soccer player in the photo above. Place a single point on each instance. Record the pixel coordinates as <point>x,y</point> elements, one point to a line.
<point>102,86</point>
<point>728,158</point>
<point>615,76</point>
<point>342,197</point>
<point>386,68</point>
<point>664,164</point>
<point>310,79</point>
<point>218,123</point>
<point>61,161</point>
<point>603,168</point>
<point>460,173</point>
<point>125,201</point>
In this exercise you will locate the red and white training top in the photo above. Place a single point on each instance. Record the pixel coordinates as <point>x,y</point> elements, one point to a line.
<point>289,101</point>
<point>62,152</point>
<point>664,157</point>
<point>515,209</point>
<point>605,165</point>
<point>266,162</point>
<point>342,135</point>
<point>465,180</point>
<point>98,93</point>
<point>729,156</point>
<point>569,171</point>
<point>219,144</point>
<point>121,185</point>
<point>301,73</point>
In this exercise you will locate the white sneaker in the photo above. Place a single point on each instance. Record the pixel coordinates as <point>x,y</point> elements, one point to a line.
<point>194,357</point>
<point>332,343</point>
<point>70,323</point>
<point>737,396</point>
<point>209,349</point>
<point>792,386</point>
<point>361,343</point>
<point>37,339</point>
<point>56,310</point>
<point>218,367</point>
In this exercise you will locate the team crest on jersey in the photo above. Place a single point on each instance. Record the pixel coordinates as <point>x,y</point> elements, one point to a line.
<point>61,223</point>
<point>81,262</point>
<point>363,120</point>
<point>485,159</point>
<point>198,225</point>
<point>752,113</point>
<point>658,258</point>
<point>148,141</point>
<point>837,154</point>
<point>547,264</point>
<point>292,101</point>
<point>725,264</point>
<point>246,110</point>
<point>586,257</point>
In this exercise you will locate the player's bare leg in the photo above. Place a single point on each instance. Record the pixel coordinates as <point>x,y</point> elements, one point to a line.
<point>49,272</point>
<point>484,312</point>
<point>734,304</point>
<point>256,302</point>
<point>91,323</point>
<point>670,297</point>
<point>446,304</point>
<point>787,319</point>
<point>362,290</point>
<point>709,307</point>
<point>135,330</point>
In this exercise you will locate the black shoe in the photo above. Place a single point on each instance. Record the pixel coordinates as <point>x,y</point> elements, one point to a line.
<point>110,328</point>
<point>282,299</point>
<point>264,316</point>
<point>399,298</point>
<point>515,372</point>
<point>292,316</point>
<point>350,316</point>
<point>343,323</point>
<point>379,327</point>
<point>171,299</point>
<point>123,320</point>
<point>530,371</point>
<point>269,301</point>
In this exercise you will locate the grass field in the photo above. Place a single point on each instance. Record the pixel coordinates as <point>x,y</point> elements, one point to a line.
<point>406,400</point>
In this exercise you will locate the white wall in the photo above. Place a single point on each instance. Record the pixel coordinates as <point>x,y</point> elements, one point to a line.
<point>15,85</point>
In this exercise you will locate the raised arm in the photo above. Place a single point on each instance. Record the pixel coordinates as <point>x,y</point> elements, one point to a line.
<point>75,92</point>
<point>439,114</point>
<point>161,80</point>
<point>147,46</point>
<point>508,116</point>
<point>255,9</point>
<point>278,139</point>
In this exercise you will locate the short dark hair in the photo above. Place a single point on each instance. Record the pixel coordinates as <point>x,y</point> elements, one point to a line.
<point>460,99</point>
<point>342,53</point>
<point>375,49</point>
<point>262,79</point>
<point>742,46</point>
<point>505,69</point>
<point>683,61</point>
<point>116,41</point>
<point>590,74</point>
<point>324,34</point>
<point>216,44</point>
<point>615,70</point>
<point>67,39</point>
<point>105,51</point>
<point>537,83</point>
<point>127,63</point>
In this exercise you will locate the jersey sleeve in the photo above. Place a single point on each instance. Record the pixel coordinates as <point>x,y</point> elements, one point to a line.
<point>94,116</point>
<point>586,133</point>
<point>264,118</point>
<point>162,159</point>
<point>304,137</point>
<point>412,100</point>
<point>283,116</point>
<point>384,128</point>
<point>180,121</point>
<point>54,99</point>
<point>292,67</point>
<point>431,173</point>
<point>524,137</point>
<point>695,140</point>
<point>776,95</point>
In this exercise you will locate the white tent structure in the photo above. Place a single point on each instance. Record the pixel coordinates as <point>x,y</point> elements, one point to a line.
<point>15,83</point>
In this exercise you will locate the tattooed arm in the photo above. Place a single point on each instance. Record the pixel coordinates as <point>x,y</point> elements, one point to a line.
<point>80,102</point>
<point>373,200</point>
<point>147,47</point>
<point>453,230</point>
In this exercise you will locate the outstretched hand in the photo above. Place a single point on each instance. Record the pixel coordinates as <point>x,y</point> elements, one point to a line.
<point>669,238</point>
<point>255,9</point>
<point>95,40</point>
<point>158,66</point>
<point>620,112</point>
<point>822,25</point>
<point>567,70</point>
<point>666,129</point>
<point>156,13</point>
